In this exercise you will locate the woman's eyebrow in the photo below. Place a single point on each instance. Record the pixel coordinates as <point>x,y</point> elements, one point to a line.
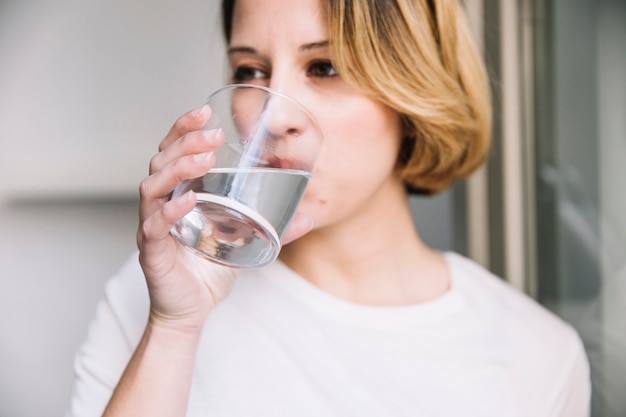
<point>314,45</point>
<point>242,50</point>
<point>303,48</point>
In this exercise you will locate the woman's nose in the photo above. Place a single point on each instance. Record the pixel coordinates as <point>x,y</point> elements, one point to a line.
<point>284,117</point>
<point>293,135</point>
<point>289,116</point>
<point>259,111</point>
<point>279,132</point>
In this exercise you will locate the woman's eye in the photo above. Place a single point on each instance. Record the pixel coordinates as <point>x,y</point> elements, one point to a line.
<point>242,74</point>
<point>322,69</point>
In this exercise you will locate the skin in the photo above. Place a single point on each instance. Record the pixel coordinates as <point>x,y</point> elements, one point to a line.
<point>353,235</point>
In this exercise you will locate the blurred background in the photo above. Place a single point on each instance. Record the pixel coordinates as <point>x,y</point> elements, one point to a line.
<point>89,88</point>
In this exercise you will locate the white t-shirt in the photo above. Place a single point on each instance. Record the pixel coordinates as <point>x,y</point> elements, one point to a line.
<point>279,346</point>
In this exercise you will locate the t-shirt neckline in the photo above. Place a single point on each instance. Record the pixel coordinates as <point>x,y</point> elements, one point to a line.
<point>425,313</point>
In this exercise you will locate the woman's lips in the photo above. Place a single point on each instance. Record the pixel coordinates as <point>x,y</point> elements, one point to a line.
<point>285,163</point>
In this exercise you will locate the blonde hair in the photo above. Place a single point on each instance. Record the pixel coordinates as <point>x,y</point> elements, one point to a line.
<point>417,57</point>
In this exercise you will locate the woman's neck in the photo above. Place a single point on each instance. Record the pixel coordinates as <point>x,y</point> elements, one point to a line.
<point>370,259</point>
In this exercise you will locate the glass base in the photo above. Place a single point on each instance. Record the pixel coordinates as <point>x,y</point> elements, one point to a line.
<point>228,233</point>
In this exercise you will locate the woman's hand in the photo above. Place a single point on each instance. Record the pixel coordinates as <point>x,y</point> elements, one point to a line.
<point>183,287</point>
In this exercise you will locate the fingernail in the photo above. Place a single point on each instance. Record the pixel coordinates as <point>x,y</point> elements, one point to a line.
<point>183,199</point>
<point>202,157</point>
<point>197,112</point>
<point>210,135</point>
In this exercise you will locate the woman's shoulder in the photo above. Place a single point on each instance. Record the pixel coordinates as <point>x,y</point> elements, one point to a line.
<point>515,313</point>
<point>545,353</point>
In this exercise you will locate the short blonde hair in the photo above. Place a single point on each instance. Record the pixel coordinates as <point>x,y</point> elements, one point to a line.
<point>417,57</point>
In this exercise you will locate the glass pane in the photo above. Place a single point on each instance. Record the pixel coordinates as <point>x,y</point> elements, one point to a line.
<point>580,113</point>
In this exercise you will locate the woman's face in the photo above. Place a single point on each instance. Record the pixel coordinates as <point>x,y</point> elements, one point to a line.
<point>283,44</point>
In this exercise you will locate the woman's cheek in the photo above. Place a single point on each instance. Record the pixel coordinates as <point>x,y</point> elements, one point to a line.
<point>318,199</point>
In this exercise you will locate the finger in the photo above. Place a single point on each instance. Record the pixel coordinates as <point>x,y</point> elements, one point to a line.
<point>156,189</point>
<point>152,235</point>
<point>196,142</point>
<point>300,225</point>
<point>190,121</point>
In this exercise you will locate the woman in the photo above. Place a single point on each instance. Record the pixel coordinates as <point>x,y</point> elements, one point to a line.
<point>358,316</point>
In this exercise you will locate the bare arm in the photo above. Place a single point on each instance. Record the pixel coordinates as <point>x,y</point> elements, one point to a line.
<point>158,377</point>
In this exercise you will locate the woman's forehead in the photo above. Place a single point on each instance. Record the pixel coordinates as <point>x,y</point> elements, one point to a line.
<point>260,19</point>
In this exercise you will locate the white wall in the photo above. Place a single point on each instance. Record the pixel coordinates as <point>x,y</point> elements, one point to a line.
<point>88,88</point>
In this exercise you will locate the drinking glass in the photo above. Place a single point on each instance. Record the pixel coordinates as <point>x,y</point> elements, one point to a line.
<point>245,202</point>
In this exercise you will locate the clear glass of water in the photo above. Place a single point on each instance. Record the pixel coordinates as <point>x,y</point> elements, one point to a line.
<point>246,201</point>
